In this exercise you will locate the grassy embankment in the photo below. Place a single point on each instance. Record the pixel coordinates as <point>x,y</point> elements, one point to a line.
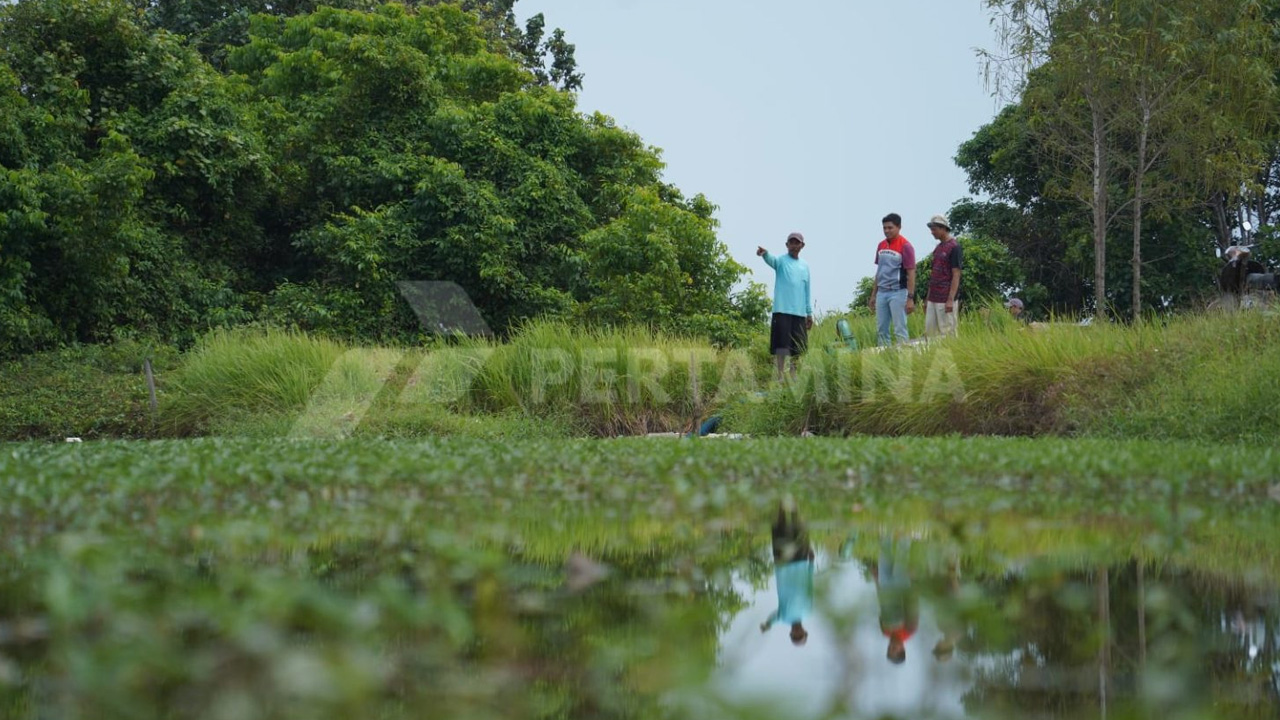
<point>1191,377</point>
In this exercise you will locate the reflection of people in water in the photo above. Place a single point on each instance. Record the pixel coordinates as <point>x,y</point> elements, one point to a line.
<point>899,603</point>
<point>793,570</point>
<point>949,620</point>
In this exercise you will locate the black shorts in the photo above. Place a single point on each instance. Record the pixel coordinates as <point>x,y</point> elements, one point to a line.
<point>788,332</point>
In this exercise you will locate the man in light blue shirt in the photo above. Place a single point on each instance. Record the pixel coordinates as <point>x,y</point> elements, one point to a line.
<point>792,306</point>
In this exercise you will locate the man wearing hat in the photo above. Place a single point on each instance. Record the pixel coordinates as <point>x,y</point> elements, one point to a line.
<point>792,305</point>
<point>941,309</point>
<point>1015,309</point>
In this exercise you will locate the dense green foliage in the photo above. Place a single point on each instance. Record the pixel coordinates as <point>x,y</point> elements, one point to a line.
<point>1049,236</point>
<point>329,155</point>
<point>213,27</point>
<point>132,171</point>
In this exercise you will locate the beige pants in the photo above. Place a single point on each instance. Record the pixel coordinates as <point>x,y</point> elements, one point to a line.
<point>937,321</point>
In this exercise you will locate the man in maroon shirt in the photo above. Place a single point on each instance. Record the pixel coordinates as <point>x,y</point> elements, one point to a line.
<point>941,308</point>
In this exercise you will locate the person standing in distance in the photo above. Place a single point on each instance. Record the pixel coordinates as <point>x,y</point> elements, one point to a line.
<point>895,285</point>
<point>792,305</point>
<point>941,309</point>
<point>1016,309</point>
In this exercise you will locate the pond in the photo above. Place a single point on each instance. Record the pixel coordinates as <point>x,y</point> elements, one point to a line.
<point>907,624</point>
<point>599,580</point>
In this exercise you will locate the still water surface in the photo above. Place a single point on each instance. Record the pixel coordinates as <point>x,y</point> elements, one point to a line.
<point>899,622</point>
<point>786,616</point>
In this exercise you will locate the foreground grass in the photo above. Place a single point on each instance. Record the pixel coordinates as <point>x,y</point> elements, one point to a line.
<point>319,492</point>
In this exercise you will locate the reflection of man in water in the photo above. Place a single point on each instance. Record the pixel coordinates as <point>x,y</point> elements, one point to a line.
<point>950,621</point>
<point>899,604</point>
<point>793,570</point>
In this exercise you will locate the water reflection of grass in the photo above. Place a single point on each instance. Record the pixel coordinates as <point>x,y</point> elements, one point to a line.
<point>179,578</point>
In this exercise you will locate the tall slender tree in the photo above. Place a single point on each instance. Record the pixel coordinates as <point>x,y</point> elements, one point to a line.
<point>1146,101</point>
<point>1078,109</point>
<point>1197,73</point>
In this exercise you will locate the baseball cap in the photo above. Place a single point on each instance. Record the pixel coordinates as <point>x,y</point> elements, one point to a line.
<point>938,220</point>
<point>797,236</point>
<point>1013,302</point>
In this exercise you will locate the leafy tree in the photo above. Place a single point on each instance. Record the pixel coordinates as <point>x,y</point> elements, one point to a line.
<point>1140,102</point>
<point>1077,107</point>
<point>661,264</point>
<point>550,59</point>
<point>1198,74</point>
<point>214,26</point>
<point>146,192</point>
<point>23,326</point>
<point>1047,234</point>
<point>1061,52</point>
<point>415,152</point>
<point>119,136</point>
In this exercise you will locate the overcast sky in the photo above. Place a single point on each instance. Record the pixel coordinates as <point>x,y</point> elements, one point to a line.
<point>814,115</point>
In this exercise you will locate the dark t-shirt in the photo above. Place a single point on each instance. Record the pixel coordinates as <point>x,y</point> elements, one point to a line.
<point>946,257</point>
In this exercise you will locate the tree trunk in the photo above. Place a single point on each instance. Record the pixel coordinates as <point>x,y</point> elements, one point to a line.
<point>1260,199</point>
<point>1104,647</point>
<point>1099,215</point>
<point>1137,213</point>
<point>1142,620</point>
<point>1220,221</point>
<point>1272,180</point>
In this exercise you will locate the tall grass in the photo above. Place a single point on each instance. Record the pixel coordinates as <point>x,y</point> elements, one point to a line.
<point>552,379</point>
<point>610,381</point>
<point>1192,377</point>
<point>1189,377</point>
<point>1212,376</point>
<point>232,376</point>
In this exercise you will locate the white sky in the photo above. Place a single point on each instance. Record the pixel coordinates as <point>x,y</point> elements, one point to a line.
<point>814,115</point>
